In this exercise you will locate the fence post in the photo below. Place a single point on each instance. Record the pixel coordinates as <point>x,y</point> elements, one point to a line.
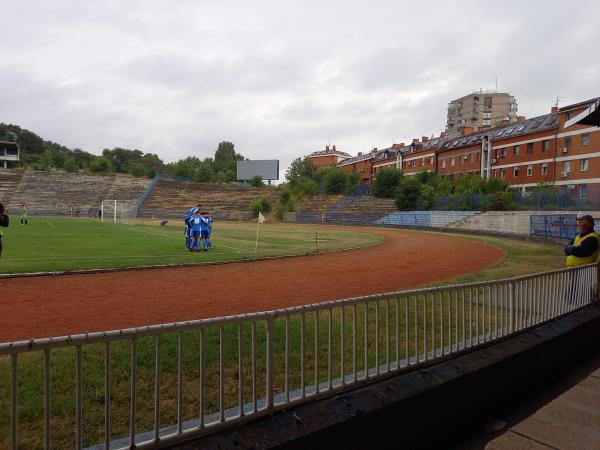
<point>512,310</point>
<point>598,283</point>
<point>270,349</point>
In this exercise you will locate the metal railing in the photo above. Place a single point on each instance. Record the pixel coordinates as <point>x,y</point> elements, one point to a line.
<point>159,384</point>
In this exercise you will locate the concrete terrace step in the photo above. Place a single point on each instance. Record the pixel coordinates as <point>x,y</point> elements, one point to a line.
<point>172,198</point>
<point>59,192</point>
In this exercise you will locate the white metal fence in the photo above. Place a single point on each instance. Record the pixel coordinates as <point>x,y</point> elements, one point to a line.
<point>155,385</point>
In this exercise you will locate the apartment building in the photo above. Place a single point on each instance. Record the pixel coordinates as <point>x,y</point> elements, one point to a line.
<point>561,148</point>
<point>480,110</point>
<point>330,157</point>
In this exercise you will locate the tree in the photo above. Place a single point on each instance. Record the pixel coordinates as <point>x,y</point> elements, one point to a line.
<point>226,157</point>
<point>257,181</point>
<point>204,172</point>
<point>120,157</point>
<point>184,167</point>
<point>334,180</point>
<point>70,165</point>
<point>46,161</point>
<point>101,165</point>
<point>407,194</point>
<point>136,168</point>
<point>386,182</point>
<point>300,169</point>
<point>152,164</point>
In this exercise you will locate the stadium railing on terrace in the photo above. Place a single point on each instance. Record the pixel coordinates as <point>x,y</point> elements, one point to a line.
<point>356,340</point>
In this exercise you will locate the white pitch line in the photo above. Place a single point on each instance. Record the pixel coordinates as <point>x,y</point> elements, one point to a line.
<point>48,223</point>
<point>89,257</point>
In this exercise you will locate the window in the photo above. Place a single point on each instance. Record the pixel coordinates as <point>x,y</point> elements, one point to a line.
<point>585,140</point>
<point>503,174</point>
<point>462,160</point>
<point>529,170</point>
<point>569,115</point>
<point>544,169</point>
<point>530,148</point>
<point>583,192</point>
<point>443,163</point>
<point>503,151</point>
<point>471,158</point>
<point>585,165</point>
<point>453,161</point>
<point>517,150</point>
<point>546,145</point>
<point>568,140</point>
<point>516,172</point>
<point>432,160</point>
<point>567,166</point>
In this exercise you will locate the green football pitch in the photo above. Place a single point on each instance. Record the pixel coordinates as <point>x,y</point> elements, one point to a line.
<point>54,244</point>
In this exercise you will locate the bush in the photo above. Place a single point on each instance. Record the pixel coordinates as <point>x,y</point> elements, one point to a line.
<point>70,165</point>
<point>502,201</point>
<point>284,208</point>
<point>386,182</point>
<point>307,188</point>
<point>334,180</point>
<point>407,194</point>
<point>101,165</point>
<point>260,204</point>
<point>257,181</point>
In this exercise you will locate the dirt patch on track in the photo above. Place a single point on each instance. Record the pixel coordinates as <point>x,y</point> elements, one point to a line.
<point>61,305</point>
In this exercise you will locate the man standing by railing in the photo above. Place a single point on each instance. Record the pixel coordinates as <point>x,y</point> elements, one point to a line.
<point>582,250</point>
<point>585,247</point>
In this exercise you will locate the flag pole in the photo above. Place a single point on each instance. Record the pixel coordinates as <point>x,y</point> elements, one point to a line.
<point>257,228</point>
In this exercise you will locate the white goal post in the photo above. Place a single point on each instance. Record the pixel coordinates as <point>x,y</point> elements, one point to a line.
<point>118,211</point>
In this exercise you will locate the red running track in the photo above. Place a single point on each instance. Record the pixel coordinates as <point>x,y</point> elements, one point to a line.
<point>60,305</point>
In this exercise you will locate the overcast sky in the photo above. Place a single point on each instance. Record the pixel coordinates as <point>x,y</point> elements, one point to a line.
<point>280,78</point>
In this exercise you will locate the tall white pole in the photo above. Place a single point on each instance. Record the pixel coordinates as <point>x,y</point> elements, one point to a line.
<point>257,228</point>
<point>115,214</point>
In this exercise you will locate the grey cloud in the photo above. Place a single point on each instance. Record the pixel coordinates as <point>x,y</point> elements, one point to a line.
<point>280,78</point>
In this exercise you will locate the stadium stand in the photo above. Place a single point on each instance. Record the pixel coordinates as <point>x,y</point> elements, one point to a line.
<point>318,203</point>
<point>343,209</point>
<point>171,198</point>
<point>435,219</point>
<point>9,180</point>
<point>364,204</point>
<point>59,193</point>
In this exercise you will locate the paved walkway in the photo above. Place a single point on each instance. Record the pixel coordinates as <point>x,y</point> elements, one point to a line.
<point>570,421</point>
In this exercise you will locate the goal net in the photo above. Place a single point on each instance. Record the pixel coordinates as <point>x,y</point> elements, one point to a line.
<point>119,211</point>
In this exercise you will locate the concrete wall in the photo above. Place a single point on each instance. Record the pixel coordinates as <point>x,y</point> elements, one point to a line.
<point>507,222</point>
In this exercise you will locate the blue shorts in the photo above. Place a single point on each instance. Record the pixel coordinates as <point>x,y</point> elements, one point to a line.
<point>196,233</point>
<point>205,234</point>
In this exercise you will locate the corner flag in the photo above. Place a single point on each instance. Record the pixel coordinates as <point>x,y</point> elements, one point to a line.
<point>261,219</point>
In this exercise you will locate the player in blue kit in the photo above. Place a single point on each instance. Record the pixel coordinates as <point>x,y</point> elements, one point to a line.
<point>188,229</point>
<point>195,231</point>
<point>205,229</point>
<point>209,223</point>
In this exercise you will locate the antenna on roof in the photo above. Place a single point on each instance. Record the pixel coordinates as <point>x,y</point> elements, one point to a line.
<point>496,84</point>
<point>558,99</point>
